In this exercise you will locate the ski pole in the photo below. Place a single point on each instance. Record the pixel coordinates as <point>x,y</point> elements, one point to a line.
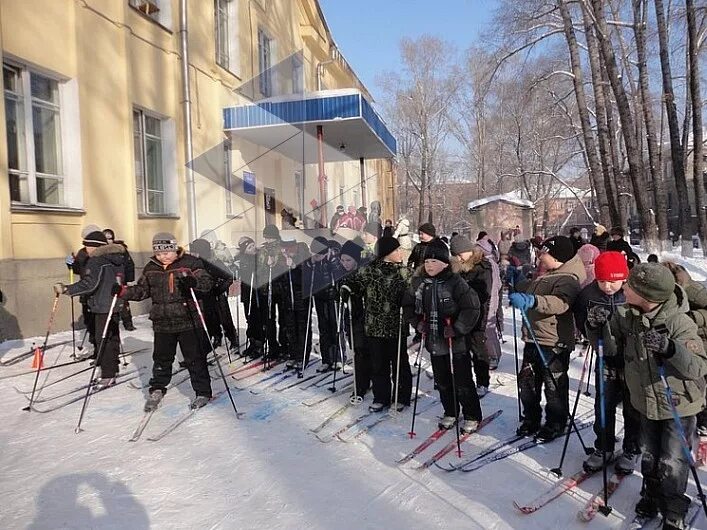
<point>552,376</point>
<point>397,366</point>
<point>605,509</point>
<point>683,437</point>
<point>83,339</point>
<point>218,362</point>
<point>591,361</point>
<point>339,327</point>
<point>268,323</point>
<point>55,305</point>
<point>237,278</point>
<point>558,470</point>
<point>303,367</point>
<point>454,390</point>
<point>515,353</point>
<point>418,365</point>
<point>73,316</point>
<point>249,318</point>
<point>101,347</point>
<point>355,399</point>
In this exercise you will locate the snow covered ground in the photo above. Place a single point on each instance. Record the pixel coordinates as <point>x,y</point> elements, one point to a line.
<point>267,470</point>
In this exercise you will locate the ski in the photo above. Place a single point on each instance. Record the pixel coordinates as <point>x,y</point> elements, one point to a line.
<point>321,399</point>
<point>326,380</point>
<point>315,380</point>
<point>296,383</point>
<point>184,417</point>
<point>463,438</point>
<point>559,488</point>
<point>332,417</point>
<point>75,389</point>
<point>255,370</point>
<point>489,450</point>
<point>147,416</point>
<point>346,427</point>
<point>279,379</point>
<point>26,355</point>
<point>432,438</point>
<point>79,398</point>
<point>477,463</point>
<point>592,506</point>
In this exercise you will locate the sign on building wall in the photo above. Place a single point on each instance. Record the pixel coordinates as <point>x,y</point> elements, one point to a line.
<point>249,183</point>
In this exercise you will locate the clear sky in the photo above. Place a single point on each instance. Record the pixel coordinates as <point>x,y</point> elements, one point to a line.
<point>368,31</point>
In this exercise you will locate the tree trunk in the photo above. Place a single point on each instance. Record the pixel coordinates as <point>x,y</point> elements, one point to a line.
<point>697,153</point>
<point>660,199</point>
<point>635,161</point>
<point>676,147</point>
<point>594,166</point>
<point>602,126</point>
<point>616,182</point>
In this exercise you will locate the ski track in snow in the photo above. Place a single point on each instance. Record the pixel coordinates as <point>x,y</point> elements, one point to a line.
<point>267,470</point>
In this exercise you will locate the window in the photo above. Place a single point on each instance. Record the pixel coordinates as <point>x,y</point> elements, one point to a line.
<point>157,10</point>
<point>297,75</point>
<point>149,165</point>
<point>33,122</point>
<point>228,177</point>
<point>226,35</point>
<point>265,63</point>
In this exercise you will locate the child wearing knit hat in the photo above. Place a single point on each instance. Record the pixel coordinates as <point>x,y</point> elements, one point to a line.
<point>662,350</point>
<point>603,296</point>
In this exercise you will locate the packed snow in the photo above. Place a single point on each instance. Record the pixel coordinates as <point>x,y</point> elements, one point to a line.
<point>267,470</point>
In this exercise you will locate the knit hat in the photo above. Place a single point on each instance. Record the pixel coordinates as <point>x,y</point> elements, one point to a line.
<point>320,245</point>
<point>652,282</point>
<point>271,232</point>
<point>373,229</point>
<point>610,267</point>
<point>244,241</point>
<point>164,242</point>
<point>351,249</point>
<point>436,249</point>
<point>560,248</point>
<point>428,228</point>
<point>386,245</point>
<point>88,229</point>
<point>460,244</point>
<point>95,239</point>
<point>201,248</point>
<point>599,229</point>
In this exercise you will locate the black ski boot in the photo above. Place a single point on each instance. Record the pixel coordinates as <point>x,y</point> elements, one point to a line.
<point>647,507</point>
<point>528,428</point>
<point>549,432</point>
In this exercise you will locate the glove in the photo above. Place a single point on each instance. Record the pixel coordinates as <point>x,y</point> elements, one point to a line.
<point>658,344</point>
<point>187,282</point>
<point>59,288</point>
<point>522,301</point>
<point>449,332</point>
<point>69,261</point>
<point>421,327</point>
<point>118,290</point>
<point>598,316</point>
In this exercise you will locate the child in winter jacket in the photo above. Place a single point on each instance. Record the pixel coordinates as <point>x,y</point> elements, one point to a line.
<point>168,279</point>
<point>104,269</point>
<point>547,302</point>
<point>659,343</point>
<point>444,310</point>
<point>297,315</point>
<point>381,285</point>
<point>604,295</point>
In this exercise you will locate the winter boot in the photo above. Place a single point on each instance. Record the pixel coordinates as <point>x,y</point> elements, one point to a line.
<point>595,461</point>
<point>399,407</point>
<point>290,364</point>
<point>86,354</point>
<point>199,401</point>
<point>625,464</point>
<point>528,428</point>
<point>647,507</point>
<point>325,367</point>
<point>549,432</point>
<point>673,523</point>
<point>469,426</point>
<point>447,422</point>
<point>376,407</point>
<point>338,366</point>
<point>482,391</point>
<point>153,400</point>
<point>104,382</point>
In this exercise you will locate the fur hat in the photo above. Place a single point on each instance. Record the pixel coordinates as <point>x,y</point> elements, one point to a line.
<point>436,249</point>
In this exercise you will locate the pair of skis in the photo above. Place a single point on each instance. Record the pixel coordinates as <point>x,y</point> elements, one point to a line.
<point>639,522</point>
<point>26,355</point>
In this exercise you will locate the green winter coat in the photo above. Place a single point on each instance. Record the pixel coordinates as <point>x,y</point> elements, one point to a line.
<point>685,370</point>
<point>697,297</point>
<point>552,318</point>
<point>382,286</point>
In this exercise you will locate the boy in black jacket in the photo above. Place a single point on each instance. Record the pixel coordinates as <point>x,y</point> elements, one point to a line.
<point>442,307</point>
<point>104,269</point>
<point>296,302</point>
<point>167,279</point>
<point>125,314</point>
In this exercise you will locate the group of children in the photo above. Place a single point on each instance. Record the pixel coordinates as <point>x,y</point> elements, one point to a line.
<point>650,321</point>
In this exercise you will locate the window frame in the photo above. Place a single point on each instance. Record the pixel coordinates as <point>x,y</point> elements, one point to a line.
<point>143,205</point>
<point>25,98</point>
<point>228,178</point>
<point>265,63</point>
